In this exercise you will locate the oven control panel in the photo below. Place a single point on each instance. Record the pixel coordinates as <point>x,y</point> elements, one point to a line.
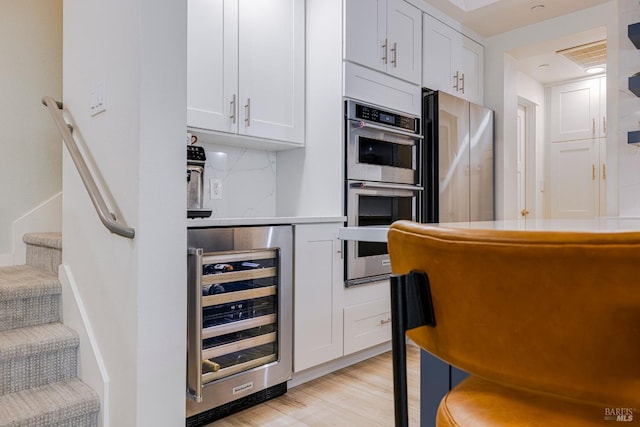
<point>377,115</point>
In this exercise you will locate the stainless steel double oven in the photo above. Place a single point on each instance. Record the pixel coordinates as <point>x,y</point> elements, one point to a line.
<point>383,176</point>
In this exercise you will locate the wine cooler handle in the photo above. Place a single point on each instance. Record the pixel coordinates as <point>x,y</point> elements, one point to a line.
<point>194,350</point>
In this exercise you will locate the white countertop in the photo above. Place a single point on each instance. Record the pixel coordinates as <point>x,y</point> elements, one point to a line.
<point>277,220</point>
<point>379,234</point>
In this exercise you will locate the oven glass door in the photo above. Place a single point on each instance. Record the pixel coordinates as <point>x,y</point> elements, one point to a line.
<point>381,155</point>
<point>370,205</point>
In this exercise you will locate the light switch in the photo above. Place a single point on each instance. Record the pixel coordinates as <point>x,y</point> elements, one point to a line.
<point>99,98</point>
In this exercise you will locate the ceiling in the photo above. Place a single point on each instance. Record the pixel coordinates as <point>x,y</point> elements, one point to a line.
<point>491,17</point>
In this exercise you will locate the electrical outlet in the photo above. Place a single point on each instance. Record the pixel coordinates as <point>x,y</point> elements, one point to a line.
<point>215,189</point>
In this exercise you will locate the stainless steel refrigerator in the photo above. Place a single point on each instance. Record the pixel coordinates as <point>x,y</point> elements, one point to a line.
<point>458,163</point>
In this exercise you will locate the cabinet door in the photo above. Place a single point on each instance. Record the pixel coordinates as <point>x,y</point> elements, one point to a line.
<point>271,69</point>
<point>574,179</point>
<point>318,293</point>
<point>438,65</point>
<point>366,33</point>
<point>470,60</point>
<point>404,35</point>
<point>212,57</point>
<point>575,110</point>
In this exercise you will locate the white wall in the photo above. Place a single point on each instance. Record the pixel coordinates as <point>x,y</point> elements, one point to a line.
<point>501,72</point>
<point>629,113</point>
<point>133,290</point>
<point>248,179</point>
<point>30,149</point>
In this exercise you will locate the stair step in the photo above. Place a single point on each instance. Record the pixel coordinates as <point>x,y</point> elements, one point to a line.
<point>37,355</point>
<point>68,403</point>
<point>28,296</point>
<point>44,250</point>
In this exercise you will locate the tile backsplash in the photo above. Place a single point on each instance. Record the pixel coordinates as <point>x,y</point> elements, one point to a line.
<point>247,181</point>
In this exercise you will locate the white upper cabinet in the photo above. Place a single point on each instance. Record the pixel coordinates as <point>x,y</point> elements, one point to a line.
<point>452,62</point>
<point>384,35</point>
<point>578,110</point>
<point>245,68</point>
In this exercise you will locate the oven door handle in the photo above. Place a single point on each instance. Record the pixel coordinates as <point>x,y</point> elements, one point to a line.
<point>362,184</point>
<point>362,124</point>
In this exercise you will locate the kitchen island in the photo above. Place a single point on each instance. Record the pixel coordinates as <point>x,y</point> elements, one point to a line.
<point>607,224</point>
<point>436,376</point>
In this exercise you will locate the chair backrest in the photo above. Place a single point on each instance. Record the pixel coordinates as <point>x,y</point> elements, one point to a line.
<point>557,312</point>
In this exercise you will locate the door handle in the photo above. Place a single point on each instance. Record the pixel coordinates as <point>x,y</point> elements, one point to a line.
<point>462,82</point>
<point>247,112</point>
<point>593,172</point>
<point>232,107</point>
<point>604,171</point>
<point>384,55</point>
<point>394,51</point>
<point>455,76</point>
<point>593,126</point>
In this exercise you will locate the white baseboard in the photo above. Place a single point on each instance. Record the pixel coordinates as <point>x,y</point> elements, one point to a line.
<point>46,217</point>
<point>326,368</point>
<point>91,367</point>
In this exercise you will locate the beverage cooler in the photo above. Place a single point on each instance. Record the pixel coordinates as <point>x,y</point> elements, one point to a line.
<point>239,318</point>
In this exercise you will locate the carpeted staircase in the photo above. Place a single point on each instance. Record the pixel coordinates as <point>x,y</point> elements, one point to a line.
<point>38,354</point>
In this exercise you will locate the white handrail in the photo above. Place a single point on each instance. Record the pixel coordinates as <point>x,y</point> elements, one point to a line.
<point>108,218</point>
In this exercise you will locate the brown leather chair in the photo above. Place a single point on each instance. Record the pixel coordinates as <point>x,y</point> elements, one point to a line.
<point>546,323</point>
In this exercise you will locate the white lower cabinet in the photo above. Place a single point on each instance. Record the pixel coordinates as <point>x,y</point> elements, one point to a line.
<point>331,321</point>
<point>318,294</point>
<point>366,325</point>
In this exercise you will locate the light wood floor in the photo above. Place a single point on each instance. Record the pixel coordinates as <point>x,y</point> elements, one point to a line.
<point>359,395</point>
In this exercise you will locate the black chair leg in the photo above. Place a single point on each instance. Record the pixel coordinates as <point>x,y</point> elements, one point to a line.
<point>399,352</point>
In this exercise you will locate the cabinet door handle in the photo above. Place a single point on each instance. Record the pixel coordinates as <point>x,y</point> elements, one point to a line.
<point>247,112</point>
<point>593,172</point>
<point>455,76</point>
<point>384,50</point>
<point>385,321</point>
<point>593,126</point>
<point>604,125</point>
<point>462,83</point>
<point>604,171</point>
<point>232,108</point>
<point>394,51</point>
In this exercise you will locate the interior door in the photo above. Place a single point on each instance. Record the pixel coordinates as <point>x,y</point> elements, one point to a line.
<point>521,165</point>
<point>574,179</point>
<point>575,110</point>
